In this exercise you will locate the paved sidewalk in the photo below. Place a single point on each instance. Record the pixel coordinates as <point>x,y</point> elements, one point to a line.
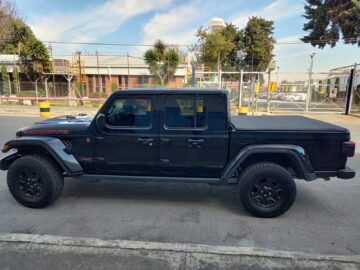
<point>21,110</point>
<point>54,252</point>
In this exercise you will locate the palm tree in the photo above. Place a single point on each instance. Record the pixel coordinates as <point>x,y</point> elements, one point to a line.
<point>162,61</point>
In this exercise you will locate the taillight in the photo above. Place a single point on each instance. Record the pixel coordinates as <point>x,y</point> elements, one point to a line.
<point>348,148</point>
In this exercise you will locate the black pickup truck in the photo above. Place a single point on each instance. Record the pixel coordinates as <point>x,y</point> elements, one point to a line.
<point>183,135</point>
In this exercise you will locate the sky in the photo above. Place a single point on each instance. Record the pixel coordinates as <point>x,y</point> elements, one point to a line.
<point>174,21</point>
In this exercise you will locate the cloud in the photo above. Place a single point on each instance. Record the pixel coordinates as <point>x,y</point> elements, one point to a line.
<point>93,22</point>
<point>276,11</point>
<point>176,26</point>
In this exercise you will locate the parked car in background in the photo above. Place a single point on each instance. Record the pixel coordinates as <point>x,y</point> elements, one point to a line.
<point>276,95</point>
<point>294,97</point>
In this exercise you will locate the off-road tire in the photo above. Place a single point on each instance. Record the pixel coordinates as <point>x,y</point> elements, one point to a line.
<point>248,189</point>
<point>50,176</point>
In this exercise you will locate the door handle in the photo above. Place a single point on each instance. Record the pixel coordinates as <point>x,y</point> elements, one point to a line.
<point>165,140</point>
<point>98,139</point>
<point>145,140</point>
<point>196,141</point>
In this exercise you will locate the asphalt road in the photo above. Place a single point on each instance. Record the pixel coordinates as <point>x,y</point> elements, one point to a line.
<point>324,219</point>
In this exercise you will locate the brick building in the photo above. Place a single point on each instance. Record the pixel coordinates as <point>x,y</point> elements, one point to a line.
<point>106,73</point>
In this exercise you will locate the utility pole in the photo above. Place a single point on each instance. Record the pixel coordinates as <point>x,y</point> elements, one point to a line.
<point>98,74</point>
<point>308,100</point>
<point>240,55</point>
<point>52,68</point>
<point>271,67</point>
<point>80,75</point>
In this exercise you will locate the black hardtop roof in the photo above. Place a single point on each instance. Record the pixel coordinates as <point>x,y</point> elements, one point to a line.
<point>167,91</point>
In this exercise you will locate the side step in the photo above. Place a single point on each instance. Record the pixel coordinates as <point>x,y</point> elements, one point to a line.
<point>151,178</point>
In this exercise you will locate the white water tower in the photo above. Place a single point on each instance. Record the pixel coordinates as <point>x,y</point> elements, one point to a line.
<point>216,24</point>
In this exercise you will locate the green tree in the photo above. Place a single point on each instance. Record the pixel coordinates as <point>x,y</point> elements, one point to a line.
<point>5,81</point>
<point>328,20</point>
<point>255,40</point>
<point>33,59</point>
<point>20,40</point>
<point>258,43</point>
<point>162,61</point>
<point>212,45</point>
<point>236,36</point>
<point>7,14</point>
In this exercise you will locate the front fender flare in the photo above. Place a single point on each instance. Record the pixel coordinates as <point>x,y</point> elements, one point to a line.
<point>55,147</point>
<point>295,153</point>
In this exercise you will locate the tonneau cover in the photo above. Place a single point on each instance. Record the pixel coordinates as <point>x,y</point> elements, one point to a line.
<point>283,123</point>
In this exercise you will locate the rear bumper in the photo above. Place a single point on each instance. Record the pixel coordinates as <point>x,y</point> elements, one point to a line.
<point>346,173</point>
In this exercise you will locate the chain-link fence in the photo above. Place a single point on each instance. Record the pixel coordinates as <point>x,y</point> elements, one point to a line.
<point>90,81</point>
<point>286,91</point>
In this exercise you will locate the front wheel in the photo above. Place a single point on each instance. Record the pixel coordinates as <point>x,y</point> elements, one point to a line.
<point>34,181</point>
<point>266,189</point>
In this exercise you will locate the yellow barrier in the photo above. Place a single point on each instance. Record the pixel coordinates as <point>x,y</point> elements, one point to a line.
<point>45,110</point>
<point>243,110</point>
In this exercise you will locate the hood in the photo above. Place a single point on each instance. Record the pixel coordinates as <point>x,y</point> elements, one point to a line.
<point>58,126</point>
<point>65,119</point>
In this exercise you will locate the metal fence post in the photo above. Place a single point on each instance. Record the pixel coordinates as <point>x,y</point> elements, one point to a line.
<point>240,88</point>
<point>269,95</point>
<point>36,91</point>
<point>192,75</point>
<point>46,88</point>
<point>349,94</point>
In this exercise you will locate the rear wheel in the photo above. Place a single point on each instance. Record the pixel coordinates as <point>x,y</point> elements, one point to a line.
<point>34,181</point>
<point>266,189</point>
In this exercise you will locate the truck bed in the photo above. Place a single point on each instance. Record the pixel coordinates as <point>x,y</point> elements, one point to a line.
<point>283,123</point>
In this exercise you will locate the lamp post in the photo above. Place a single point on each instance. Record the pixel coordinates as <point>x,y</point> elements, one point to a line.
<point>271,67</point>
<point>308,100</point>
<point>80,75</point>
<point>240,55</point>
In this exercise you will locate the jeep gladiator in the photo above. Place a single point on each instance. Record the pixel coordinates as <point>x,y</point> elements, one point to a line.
<point>177,135</point>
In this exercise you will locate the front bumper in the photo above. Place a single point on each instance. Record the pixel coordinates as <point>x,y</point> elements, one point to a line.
<point>346,173</point>
<point>6,161</point>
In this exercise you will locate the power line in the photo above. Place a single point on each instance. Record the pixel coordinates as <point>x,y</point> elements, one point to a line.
<point>188,45</point>
<point>294,42</point>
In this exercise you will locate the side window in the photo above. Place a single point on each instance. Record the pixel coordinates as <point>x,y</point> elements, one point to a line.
<point>129,112</point>
<point>185,112</point>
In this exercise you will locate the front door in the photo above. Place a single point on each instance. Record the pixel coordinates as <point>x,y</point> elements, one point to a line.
<point>129,143</point>
<point>193,138</point>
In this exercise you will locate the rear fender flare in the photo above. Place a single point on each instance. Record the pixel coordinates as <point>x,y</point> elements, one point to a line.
<point>296,155</point>
<point>55,147</point>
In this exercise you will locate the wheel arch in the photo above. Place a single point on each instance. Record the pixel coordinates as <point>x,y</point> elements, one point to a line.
<point>288,156</point>
<point>52,147</point>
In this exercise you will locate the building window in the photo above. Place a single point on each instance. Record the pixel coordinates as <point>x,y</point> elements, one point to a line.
<point>143,80</point>
<point>103,83</point>
<point>91,86</point>
<point>126,82</point>
<point>97,84</point>
<point>120,82</point>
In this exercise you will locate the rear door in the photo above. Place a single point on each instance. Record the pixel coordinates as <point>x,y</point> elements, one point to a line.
<point>129,144</point>
<point>193,135</point>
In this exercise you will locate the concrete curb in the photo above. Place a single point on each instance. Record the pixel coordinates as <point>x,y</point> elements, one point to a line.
<point>193,255</point>
<point>175,247</point>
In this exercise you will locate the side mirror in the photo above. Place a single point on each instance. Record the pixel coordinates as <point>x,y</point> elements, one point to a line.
<point>100,121</point>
